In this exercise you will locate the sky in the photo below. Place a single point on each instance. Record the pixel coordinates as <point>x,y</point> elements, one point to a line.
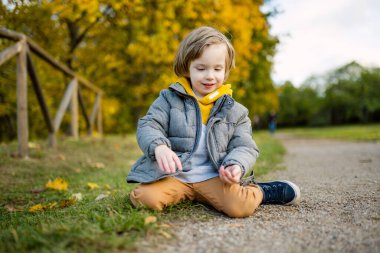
<point>320,35</point>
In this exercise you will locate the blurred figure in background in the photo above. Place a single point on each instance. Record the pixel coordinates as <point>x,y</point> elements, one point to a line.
<point>256,122</point>
<point>272,122</point>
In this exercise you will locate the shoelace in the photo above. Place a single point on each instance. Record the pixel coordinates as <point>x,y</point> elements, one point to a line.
<point>248,180</point>
<point>272,193</point>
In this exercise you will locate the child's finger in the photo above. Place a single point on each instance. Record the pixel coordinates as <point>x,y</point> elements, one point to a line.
<point>171,165</point>
<point>160,165</point>
<point>233,172</point>
<point>228,180</point>
<point>236,179</point>
<point>227,172</point>
<point>222,172</point>
<point>177,162</point>
<point>165,165</point>
<point>223,176</point>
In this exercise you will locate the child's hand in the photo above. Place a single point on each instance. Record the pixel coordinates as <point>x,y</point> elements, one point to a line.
<point>167,160</point>
<point>230,174</point>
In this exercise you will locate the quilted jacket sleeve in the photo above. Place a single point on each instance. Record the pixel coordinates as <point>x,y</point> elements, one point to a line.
<point>152,129</point>
<point>242,149</point>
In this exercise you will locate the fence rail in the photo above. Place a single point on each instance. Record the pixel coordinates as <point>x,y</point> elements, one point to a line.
<point>22,50</point>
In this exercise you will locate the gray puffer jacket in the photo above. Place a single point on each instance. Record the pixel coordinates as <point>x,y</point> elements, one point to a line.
<point>174,119</point>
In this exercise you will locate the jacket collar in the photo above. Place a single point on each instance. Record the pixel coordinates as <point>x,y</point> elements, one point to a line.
<point>178,88</point>
<point>225,102</point>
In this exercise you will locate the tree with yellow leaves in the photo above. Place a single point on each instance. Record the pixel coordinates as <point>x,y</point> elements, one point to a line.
<point>127,47</point>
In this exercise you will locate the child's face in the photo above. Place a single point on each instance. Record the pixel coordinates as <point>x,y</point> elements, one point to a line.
<point>207,72</point>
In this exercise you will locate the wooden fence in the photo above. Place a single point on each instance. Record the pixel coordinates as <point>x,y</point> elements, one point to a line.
<point>22,50</point>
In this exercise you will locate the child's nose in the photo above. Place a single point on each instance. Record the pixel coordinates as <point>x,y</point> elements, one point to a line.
<point>209,75</point>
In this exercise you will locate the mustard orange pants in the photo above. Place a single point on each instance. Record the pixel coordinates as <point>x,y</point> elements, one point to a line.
<point>234,200</point>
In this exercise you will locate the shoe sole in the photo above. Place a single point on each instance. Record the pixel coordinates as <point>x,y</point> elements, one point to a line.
<point>297,191</point>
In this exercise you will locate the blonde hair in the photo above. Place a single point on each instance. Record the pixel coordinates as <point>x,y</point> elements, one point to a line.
<point>193,46</point>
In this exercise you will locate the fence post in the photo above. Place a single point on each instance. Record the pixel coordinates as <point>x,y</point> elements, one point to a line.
<point>100,120</point>
<point>74,110</point>
<point>22,102</point>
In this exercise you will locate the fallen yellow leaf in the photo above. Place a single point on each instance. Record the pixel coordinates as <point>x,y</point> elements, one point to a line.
<point>42,207</point>
<point>165,234</point>
<point>67,202</point>
<point>51,205</point>
<point>236,225</point>
<point>78,196</point>
<point>164,225</point>
<point>92,185</point>
<point>107,186</point>
<point>12,209</point>
<point>36,208</point>
<point>58,184</point>
<point>33,145</point>
<point>101,196</point>
<point>150,219</point>
<point>98,165</point>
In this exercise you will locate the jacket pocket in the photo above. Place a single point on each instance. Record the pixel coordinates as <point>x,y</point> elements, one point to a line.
<point>223,132</point>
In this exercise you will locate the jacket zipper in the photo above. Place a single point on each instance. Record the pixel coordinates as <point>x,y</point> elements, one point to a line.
<point>199,127</point>
<point>209,131</point>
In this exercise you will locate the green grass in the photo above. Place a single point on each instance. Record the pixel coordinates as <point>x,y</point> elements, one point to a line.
<point>271,153</point>
<point>109,225</point>
<point>349,133</point>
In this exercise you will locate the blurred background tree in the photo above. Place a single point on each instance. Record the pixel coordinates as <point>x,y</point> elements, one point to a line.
<point>348,94</point>
<point>127,49</point>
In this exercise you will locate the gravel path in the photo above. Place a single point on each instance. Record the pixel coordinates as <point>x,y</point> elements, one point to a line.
<point>339,211</point>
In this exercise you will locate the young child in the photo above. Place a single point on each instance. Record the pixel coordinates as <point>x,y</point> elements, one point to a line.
<point>197,140</point>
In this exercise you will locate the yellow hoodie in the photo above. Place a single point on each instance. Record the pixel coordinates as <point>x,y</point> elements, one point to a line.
<point>207,102</point>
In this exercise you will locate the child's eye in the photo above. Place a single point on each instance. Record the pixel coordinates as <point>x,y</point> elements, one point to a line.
<point>218,69</point>
<point>200,69</point>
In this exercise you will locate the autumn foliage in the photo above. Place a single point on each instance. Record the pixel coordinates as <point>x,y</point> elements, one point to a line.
<point>127,49</point>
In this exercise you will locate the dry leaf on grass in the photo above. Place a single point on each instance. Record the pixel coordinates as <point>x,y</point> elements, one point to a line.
<point>67,202</point>
<point>62,157</point>
<point>165,225</point>
<point>38,190</point>
<point>150,219</point>
<point>78,196</point>
<point>236,225</point>
<point>58,184</point>
<point>98,165</point>
<point>92,186</point>
<point>165,234</point>
<point>33,145</point>
<point>101,196</point>
<point>42,207</point>
<point>12,209</point>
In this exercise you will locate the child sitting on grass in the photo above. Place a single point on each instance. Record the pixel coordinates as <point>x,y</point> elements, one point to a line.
<point>197,140</point>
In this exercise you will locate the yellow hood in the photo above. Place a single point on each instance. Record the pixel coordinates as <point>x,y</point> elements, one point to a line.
<point>207,102</point>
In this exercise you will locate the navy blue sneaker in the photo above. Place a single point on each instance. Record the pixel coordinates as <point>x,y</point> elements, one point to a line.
<point>280,192</point>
